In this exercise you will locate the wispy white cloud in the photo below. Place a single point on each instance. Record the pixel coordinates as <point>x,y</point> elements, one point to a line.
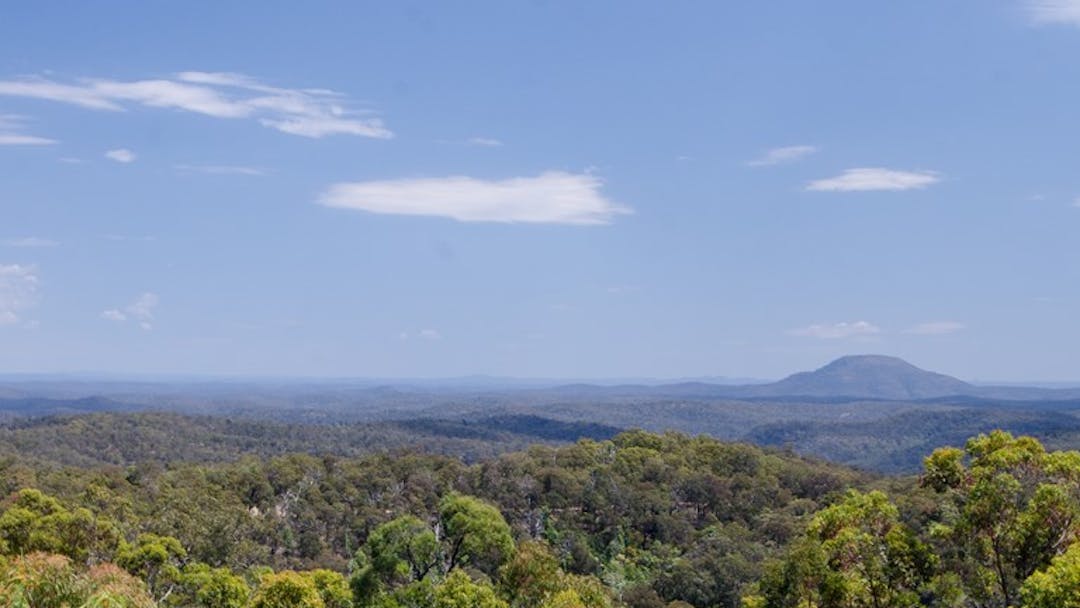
<point>18,291</point>
<point>1054,11</point>
<point>28,241</point>
<point>129,238</point>
<point>113,314</point>
<point>935,328</point>
<point>875,178</point>
<point>10,127</point>
<point>16,139</point>
<point>305,112</point>
<point>1076,202</point>
<point>84,95</point>
<point>489,142</point>
<point>221,169</point>
<point>554,197</point>
<point>834,331</point>
<point>141,311</point>
<point>786,154</point>
<point>423,334</point>
<point>121,155</point>
<point>484,142</point>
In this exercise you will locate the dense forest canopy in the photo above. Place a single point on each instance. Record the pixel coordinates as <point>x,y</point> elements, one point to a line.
<point>640,520</point>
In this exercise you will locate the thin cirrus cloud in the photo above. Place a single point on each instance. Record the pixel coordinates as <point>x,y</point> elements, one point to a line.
<point>129,238</point>
<point>221,169</point>
<point>935,328</point>
<point>488,142</point>
<point>837,331</point>
<point>784,155</point>
<point>121,155</point>
<point>305,112</point>
<point>19,139</point>
<point>1044,12</point>
<point>423,334</point>
<point>18,291</point>
<point>554,197</point>
<point>480,142</point>
<point>10,135</point>
<point>870,179</point>
<point>28,241</point>
<point>141,311</point>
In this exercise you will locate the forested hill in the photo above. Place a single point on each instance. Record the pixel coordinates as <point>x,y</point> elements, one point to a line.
<point>878,436</point>
<point>164,437</point>
<point>871,376</point>
<point>867,377</point>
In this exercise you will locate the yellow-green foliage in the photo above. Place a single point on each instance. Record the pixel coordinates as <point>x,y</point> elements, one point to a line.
<point>41,580</point>
<point>458,590</point>
<point>34,521</point>
<point>287,589</point>
<point>208,587</point>
<point>1056,587</point>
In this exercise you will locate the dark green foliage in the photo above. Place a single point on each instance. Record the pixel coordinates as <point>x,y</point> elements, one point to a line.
<point>897,443</point>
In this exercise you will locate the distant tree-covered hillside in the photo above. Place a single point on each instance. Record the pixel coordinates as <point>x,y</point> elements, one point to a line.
<point>122,439</point>
<point>879,435</point>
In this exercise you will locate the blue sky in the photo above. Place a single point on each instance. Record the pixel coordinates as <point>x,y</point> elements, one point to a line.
<point>540,189</point>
